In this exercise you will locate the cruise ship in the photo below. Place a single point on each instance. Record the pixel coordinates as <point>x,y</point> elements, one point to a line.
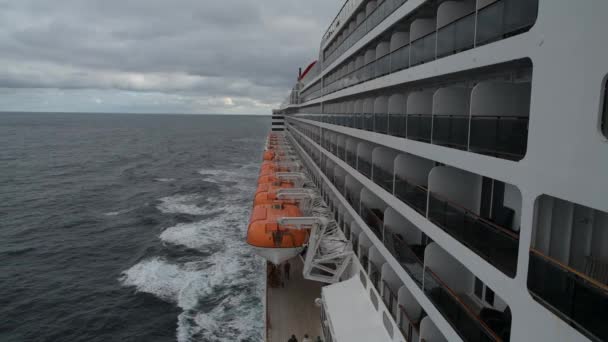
<point>440,173</point>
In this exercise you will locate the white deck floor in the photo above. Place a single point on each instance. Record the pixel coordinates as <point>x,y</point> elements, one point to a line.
<point>291,310</point>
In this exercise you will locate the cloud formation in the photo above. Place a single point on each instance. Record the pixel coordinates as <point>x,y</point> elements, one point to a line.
<point>183,56</point>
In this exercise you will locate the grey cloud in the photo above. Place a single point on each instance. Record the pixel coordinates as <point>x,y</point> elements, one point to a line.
<point>246,49</point>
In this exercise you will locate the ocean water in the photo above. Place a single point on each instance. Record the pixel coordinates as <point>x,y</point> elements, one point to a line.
<point>128,227</point>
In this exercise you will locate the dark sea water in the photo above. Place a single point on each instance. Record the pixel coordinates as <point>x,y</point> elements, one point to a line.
<point>128,227</point>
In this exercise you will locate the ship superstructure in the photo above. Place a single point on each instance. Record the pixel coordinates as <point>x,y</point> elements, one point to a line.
<point>461,148</point>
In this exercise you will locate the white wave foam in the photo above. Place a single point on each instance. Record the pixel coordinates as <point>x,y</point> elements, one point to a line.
<point>164,180</point>
<point>118,212</point>
<point>181,204</point>
<point>230,278</point>
<point>192,235</point>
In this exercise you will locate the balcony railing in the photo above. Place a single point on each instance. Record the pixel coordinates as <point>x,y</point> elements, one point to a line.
<point>364,167</point>
<point>456,36</point>
<point>575,297</point>
<point>505,18</point>
<point>451,130</point>
<point>411,194</point>
<point>400,58</point>
<point>383,178</point>
<point>502,136</point>
<point>373,220</point>
<point>423,49</point>
<point>496,244</point>
<point>419,127</point>
<point>390,299</point>
<point>460,316</point>
<point>408,326</point>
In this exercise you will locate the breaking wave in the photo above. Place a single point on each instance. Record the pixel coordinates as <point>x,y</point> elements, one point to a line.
<point>220,293</point>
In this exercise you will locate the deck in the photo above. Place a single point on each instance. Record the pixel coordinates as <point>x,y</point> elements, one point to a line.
<point>291,310</point>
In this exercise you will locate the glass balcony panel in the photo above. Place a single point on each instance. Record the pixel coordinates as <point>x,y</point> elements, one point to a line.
<point>397,125</point>
<point>419,127</point>
<point>490,22</point>
<point>576,299</point>
<point>504,136</point>
<point>400,58</point>
<point>364,167</point>
<point>383,65</point>
<point>423,49</point>
<point>351,159</point>
<point>456,36</point>
<point>368,122</point>
<point>519,15</point>
<point>451,130</point>
<point>383,178</point>
<point>411,194</point>
<point>381,123</point>
<point>374,276</point>
<point>467,324</point>
<point>495,244</point>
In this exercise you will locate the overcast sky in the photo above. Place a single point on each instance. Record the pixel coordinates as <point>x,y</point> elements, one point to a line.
<point>160,56</point>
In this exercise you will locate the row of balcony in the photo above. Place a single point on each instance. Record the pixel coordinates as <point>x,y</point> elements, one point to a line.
<point>575,288</point>
<point>464,319</point>
<point>428,40</point>
<point>366,19</point>
<point>500,136</point>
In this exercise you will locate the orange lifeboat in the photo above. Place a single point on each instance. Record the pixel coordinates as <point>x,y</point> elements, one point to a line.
<point>269,155</point>
<point>270,240</point>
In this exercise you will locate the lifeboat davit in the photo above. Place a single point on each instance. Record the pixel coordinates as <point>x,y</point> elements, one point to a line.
<point>270,240</point>
<point>266,193</point>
